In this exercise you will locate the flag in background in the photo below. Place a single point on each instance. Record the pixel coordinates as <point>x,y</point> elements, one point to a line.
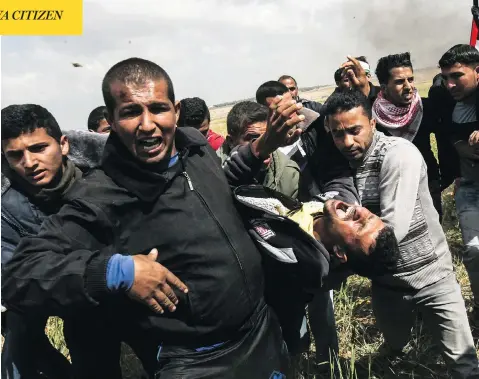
<point>474,33</point>
<point>475,29</point>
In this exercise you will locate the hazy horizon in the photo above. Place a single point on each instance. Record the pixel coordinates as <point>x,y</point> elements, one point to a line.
<point>222,51</point>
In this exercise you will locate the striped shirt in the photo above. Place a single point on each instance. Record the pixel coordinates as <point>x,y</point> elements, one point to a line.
<point>392,183</point>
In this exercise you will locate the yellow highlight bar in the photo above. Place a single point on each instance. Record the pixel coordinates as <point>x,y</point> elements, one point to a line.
<point>41,17</point>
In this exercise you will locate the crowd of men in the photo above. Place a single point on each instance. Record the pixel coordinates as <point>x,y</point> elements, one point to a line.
<point>203,253</point>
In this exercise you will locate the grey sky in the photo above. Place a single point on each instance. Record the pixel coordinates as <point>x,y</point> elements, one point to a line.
<point>223,50</point>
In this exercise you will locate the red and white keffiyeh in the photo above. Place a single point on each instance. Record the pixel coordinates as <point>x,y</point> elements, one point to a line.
<point>399,121</point>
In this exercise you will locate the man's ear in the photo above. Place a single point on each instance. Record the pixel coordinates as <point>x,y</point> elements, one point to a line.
<point>373,123</point>
<point>326,124</point>
<point>229,140</point>
<point>109,118</point>
<point>177,110</point>
<point>64,145</point>
<point>340,254</point>
<point>383,87</point>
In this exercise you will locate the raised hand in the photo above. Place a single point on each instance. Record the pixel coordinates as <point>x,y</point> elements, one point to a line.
<point>356,74</point>
<point>281,129</point>
<point>474,138</point>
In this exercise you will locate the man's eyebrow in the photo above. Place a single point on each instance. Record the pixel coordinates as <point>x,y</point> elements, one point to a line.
<point>38,144</point>
<point>347,128</point>
<point>12,151</point>
<point>129,106</point>
<point>353,126</point>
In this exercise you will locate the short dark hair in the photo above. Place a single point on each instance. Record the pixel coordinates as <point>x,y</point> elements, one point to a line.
<point>343,101</point>
<point>271,88</point>
<point>385,251</point>
<point>337,75</point>
<point>461,53</point>
<point>193,111</point>
<point>243,114</point>
<point>26,118</point>
<point>133,71</point>
<point>386,64</point>
<point>95,117</point>
<point>362,58</point>
<point>285,77</point>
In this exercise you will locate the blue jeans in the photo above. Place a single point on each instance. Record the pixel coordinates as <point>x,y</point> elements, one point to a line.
<point>467,206</point>
<point>27,352</point>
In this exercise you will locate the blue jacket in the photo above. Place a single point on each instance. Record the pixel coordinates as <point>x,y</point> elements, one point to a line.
<point>20,218</point>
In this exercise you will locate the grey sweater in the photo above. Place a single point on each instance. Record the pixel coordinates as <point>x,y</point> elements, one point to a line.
<point>392,183</point>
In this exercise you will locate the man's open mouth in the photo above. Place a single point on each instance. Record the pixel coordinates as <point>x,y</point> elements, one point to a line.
<point>36,175</point>
<point>344,211</point>
<point>149,144</point>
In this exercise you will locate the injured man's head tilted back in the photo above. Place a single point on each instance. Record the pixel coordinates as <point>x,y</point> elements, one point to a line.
<point>350,233</point>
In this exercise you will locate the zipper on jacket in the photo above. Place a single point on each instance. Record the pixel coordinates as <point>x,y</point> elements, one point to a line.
<point>225,235</point>
<point>9,219</point>
<point>188,179</point>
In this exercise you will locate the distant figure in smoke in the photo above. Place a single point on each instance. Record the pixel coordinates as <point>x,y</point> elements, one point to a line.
<point>195,113</point>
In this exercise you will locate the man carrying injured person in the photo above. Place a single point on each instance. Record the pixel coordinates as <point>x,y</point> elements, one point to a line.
<point>350,233</point>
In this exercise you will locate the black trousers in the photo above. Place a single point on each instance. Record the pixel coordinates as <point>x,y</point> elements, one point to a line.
<point>435,190</point>
<point>94,345</point>
<point>260,354</point>
<point>27,351</point>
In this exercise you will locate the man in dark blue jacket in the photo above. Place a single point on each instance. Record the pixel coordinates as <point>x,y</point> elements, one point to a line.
<point>37,175</point>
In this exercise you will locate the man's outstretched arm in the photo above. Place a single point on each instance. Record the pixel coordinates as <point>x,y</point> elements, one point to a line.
<point>71,265</point>
<point>63,267</point>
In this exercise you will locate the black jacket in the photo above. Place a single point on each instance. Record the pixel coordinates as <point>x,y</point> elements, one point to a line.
<point>20,218</point>
<point>22,215</point>
<point>313,105</point>
<point>422,141</point>
<point>187,212</point>
<point>437,119</point>
<point>442,107</point>
<point>326,169</point>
